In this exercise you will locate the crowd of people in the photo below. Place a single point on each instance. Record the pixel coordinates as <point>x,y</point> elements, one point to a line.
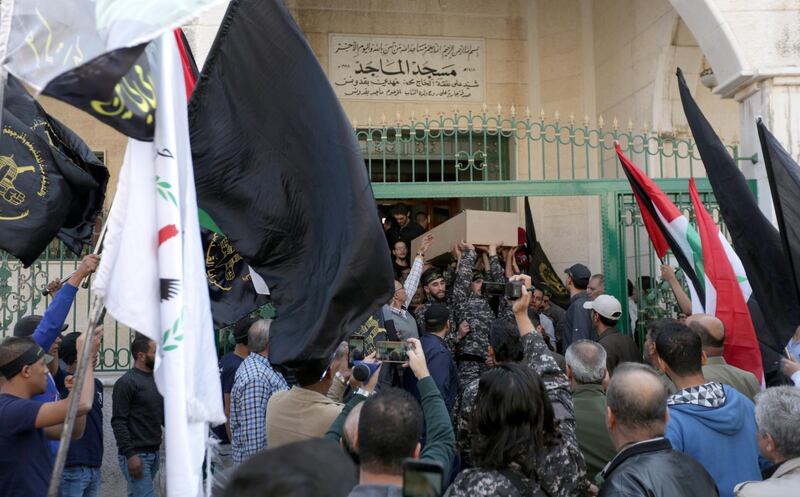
<point>495,396</point>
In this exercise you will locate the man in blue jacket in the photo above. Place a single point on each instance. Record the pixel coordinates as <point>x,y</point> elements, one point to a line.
<point>440,361</point>
<point>711,422</point>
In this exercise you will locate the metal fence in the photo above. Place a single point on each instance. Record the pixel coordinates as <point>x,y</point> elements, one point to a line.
<point>21,295</point>
<point>654,297</point>
<point>490,147</point>
<point>485,154</point>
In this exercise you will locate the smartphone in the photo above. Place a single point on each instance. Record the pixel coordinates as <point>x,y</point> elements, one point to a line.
<point>356,347</point>
<point>422,479</point>
<point>392,351</point>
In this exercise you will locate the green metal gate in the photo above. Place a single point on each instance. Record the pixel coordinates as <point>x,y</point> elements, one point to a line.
<point>488,155</point>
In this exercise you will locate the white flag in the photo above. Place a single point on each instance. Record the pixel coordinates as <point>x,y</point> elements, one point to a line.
<point>152,274</point>
<point>42,39</point>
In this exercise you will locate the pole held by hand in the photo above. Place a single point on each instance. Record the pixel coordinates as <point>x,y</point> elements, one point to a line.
<point>72,410</point>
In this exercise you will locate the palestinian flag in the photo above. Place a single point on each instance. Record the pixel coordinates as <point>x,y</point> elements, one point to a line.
<point>726,295</point>
<point>774,305</point>
<point>668,229</point>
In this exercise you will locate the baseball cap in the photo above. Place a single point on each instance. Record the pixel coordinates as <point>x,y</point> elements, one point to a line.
<point>605,305</point>
<point>27,325</point>
<point>435,316</point>
<point>430,275</point>
<point>579,273</point>
<point>478,275</point>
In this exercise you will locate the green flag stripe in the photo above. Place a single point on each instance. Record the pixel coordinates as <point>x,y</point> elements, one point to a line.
<point>207,222</point>
<point>693,237</point>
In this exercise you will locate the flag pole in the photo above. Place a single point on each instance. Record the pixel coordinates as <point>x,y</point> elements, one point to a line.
<point>99,245</point>
<point>72,410</point>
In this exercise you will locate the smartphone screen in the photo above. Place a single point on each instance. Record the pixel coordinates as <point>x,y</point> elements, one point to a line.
<point>356,346</point>
<point>391,351</point>
<point>422,479</point>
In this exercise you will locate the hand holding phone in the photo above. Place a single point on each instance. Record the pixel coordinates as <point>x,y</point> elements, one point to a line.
<point>356,350</point>
<point>394,352</point>
<point>422,479</point>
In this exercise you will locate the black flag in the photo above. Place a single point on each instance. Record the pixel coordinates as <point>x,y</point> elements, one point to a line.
<point>50,182</point>
<point>278,168</point>
<point>230,284</point>
<point>116,87</point>
<point>755,240</point>
<point>784,183</point>
<point>540,269</point>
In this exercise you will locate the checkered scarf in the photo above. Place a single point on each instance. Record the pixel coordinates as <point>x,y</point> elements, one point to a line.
<point>709,394</point>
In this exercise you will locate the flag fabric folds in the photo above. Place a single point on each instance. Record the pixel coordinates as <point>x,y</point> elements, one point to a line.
<point>51,184</point>
<point>89,53</point>
<point>230,282</point>
<point>755,240</point>
<point>540,269</point>
<point>730,305</point>
<point>279,170</point>
<point>152,274</point>
<point>784,183</point>
<point>668,229</point>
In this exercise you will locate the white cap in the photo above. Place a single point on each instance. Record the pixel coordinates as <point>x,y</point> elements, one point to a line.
<point>605,305</point>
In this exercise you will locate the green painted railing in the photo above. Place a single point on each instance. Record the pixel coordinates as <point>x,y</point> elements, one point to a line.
<point>485,155</point>
<point>486,147</point>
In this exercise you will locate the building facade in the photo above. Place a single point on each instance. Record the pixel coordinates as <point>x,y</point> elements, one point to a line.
<point>472,104</point>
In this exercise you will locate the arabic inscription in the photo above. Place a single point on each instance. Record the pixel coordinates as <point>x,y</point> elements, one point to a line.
<point>392,68</point>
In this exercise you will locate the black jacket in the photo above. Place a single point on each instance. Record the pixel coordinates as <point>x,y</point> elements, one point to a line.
<point>578,320</point>
<point>653,469</point>
<point>619,348</point>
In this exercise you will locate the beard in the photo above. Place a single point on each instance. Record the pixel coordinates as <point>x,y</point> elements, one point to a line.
<point>150,363</point>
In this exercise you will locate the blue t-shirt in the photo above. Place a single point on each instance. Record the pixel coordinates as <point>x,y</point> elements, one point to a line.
<point>228,366</point>
<point>51,395</point>
<point>25,462</point>
<point>87,450</point>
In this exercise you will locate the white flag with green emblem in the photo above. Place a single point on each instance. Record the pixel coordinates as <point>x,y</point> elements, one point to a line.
<point>152,275</point>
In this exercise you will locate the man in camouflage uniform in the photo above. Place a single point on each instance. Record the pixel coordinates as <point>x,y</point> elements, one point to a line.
<point>473,307</point>
<point>562,472</point>
<point>434,285</point>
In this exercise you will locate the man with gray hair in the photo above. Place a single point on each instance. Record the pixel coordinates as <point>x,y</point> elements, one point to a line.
<point>777,415</point>
<point>253,386</point>
<point>646,464</point>
<point>586,370</point>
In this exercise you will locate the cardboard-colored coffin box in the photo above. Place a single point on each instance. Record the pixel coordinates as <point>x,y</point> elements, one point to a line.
<point>475,227</point>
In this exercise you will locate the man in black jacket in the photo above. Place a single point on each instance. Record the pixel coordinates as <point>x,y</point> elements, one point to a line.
<point>578,319</point>
<point>137,418</point>
<point>605,313</point>
<point>646,464</point>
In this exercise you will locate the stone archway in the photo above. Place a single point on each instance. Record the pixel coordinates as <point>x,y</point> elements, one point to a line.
<point>717,41</point>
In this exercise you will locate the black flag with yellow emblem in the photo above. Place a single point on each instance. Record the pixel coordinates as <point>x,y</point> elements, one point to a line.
<point>231,289</point>
<point>51,184</point>
<point>541,271</point>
